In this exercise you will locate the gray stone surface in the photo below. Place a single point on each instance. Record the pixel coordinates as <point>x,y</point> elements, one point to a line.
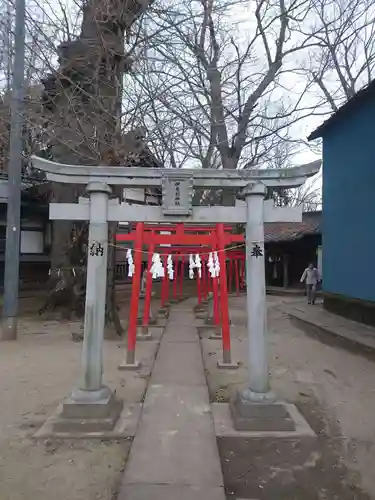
<point>87,425</point>
<point>174,454</point>
<point>137,365</point>
<point>224,365</point>
<point>148,332</point>
<point>141,337</point>
<point>175,301</point>
<point>216,336</point>
<point>97,409</point>
<point>178,318</point>
<point>263,424</point>
<point>201,314</point>
<point>175,441</point>
<point>124,427</point>
<point>162,320</point>
<point>89,417</point>
<point>181,334</point>
<point>352,333</point>
<point>179,363</point>
<point>163,312</point>
<point>170,492</point>
<point>208,330</point>
<point>252,410</point>
<point>224,425</point>
<point>200,308</point>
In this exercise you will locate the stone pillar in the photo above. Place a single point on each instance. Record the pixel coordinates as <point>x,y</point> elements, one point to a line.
<point>90,386</point>
<point>92,406</point>
<point>255,408</point>
<point>256,293</point>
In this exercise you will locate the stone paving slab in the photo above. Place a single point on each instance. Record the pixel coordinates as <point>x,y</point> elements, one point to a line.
<point>179,363</point>
<point>182,317</point>
<point>175,441</point>
<point>224,425</point>
<point>170,492</point>
<point>353,333</point>
<point>174,454</point>
<point>180,334</point>
<point>125,427</point>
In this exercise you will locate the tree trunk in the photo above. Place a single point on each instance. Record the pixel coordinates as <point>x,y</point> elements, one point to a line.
<point>83,100</point>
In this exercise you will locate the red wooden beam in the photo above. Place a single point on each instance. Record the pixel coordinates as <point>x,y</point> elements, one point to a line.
<point>185,239</point>
<point>181,225</point>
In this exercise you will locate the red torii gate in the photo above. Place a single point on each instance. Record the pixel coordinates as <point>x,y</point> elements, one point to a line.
<point>236,270</point>
<point>182,240</point>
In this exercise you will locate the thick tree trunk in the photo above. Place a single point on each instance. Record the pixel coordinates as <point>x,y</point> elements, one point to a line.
<point>62,230</point>
<point>83,99</point>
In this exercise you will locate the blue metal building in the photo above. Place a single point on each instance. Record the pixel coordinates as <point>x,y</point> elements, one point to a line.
<point>348,223</point>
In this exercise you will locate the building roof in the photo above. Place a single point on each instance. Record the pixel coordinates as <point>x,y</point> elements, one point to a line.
<point>290,231</point>
<point>351,105</point>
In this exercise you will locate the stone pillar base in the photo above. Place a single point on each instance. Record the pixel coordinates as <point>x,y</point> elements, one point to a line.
<point>175,301</point>
<point>152,321</point>
<point>216,335</point>
<point>230,365</point>
<point>213,331</point>
<point>143,333</point>
<point>260,416</point>
<point>8,329</point>
<point>163,312</point>
<point>210,321</point>
<point>130,366</point>
<point>88,416</point>
<point>200,308</point>
<point>200,314</point>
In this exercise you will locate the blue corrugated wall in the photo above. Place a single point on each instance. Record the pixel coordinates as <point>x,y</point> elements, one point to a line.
<point>349,205</point>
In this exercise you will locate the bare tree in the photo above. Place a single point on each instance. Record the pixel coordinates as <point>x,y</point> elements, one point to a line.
<point>211,87</point>
<point>76,115</point>
<point>217,91</point>
<point>343,59</point>
<point>309,195</point>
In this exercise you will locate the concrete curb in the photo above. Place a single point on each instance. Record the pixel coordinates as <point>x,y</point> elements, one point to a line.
<point>332,337</point>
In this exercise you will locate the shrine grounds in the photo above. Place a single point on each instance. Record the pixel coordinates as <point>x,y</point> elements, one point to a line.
<point>332,387</point>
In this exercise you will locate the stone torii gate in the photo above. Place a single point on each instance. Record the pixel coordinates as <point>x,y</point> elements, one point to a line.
<point>91,399</point>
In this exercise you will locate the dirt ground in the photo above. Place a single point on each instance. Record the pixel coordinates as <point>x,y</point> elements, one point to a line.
<point>333,388</point>
<point>335,391</point>
<point>36,373</point>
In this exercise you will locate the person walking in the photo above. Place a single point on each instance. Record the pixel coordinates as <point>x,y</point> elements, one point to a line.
<point>311,277</point>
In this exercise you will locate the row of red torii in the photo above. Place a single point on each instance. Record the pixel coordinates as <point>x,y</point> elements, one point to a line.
<point>91,397</point>
<point>180,242</point>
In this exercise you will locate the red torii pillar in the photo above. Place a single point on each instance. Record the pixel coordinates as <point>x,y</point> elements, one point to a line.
<point>148,293</point>
<point>224,303</point>
<point>230,278</point>
<point>175,278</point>
<point>130,362</point>
<point>182,267</point>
